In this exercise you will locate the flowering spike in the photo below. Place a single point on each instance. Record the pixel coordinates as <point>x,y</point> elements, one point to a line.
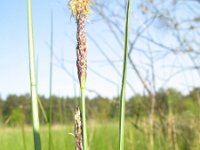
<point>80,7</point>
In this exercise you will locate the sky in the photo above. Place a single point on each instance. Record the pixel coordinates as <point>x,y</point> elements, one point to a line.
<point>14,62</point>
<point>14,48</point>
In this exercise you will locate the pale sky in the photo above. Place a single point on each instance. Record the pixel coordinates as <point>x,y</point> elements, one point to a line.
<point>14,65</point>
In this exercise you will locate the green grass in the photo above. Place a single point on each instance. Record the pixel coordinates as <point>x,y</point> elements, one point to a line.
<point>101,137</point>
<point>12,138</point>
<point>105,137</point>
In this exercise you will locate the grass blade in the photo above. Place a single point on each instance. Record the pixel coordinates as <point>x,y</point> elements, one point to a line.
<point>50,86</point>
<point>36,132</point>
<point>123,84</point>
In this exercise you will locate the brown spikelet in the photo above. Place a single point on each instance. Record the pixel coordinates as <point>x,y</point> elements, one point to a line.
<point>78,129</point>
<point>81,49</point>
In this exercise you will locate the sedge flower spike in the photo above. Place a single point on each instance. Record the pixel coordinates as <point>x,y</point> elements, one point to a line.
<point>80,9</point>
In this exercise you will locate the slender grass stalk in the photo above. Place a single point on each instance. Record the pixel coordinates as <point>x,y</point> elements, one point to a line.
<point>123,84</point>
<point>36,132</point>
<point>39,101</point>
<point>84,118</point>
<point>50,142</point>
<point>80,10</point>
<point>43,110</point>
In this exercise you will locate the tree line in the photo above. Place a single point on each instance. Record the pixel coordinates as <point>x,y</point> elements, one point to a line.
<point>17,109</point>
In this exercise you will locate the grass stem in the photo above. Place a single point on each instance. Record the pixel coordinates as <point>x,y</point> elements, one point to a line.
<point>123,84</point>
<point>36,132</point>
<point>50,85</point>
<point>84,118</point>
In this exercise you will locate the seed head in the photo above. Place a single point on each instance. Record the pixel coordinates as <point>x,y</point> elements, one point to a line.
<point>78,129</point>
<point>80,9</point>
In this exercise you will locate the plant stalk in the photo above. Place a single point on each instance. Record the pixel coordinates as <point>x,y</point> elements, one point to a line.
<point>84,118</point>
<point>50,85</point>
<point>80,9</point>
<point>36,132</point>
<point>123,84</point>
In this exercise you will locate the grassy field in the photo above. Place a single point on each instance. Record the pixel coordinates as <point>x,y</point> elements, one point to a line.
<point>101,137</point>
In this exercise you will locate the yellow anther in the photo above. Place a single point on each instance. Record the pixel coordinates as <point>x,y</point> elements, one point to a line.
<point>80,6</point>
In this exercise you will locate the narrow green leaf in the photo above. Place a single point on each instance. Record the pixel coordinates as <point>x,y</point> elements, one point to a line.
<point>32,67</point>
<point>123,84</point>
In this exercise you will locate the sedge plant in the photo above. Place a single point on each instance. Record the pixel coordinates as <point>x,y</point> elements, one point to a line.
<point>123,84</point>
<point>80,9</point>
<point>33,81</point>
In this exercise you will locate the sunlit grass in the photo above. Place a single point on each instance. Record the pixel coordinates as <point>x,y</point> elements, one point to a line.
<point>104,136</point>
<point>33,80</point>
<point>123,84</point>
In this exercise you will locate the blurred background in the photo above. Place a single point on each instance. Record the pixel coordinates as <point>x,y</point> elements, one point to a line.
<point>163,69</point>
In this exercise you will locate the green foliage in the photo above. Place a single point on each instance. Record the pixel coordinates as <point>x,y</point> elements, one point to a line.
<point>103,136</point>
<point>137,106</point>
<point>174,99</point>
<point>100,108</point>
<point>133,138</point>
<point>114,108</point>
<point>103,110</point>
<point>17,116</point>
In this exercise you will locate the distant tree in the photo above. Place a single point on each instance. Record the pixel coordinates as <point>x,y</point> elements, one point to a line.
<point>99,108</point>
<point>174,99</point>
<point>195,95</point>
<point>137,106</point>
<point>162,102</point>
<point>114,108</point>
<point>10,104</point>
<point>17,116</point>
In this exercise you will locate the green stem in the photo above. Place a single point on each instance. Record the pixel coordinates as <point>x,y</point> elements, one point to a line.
<point>43,110</point>
<point>84,118</point>
<point>50,86</point>
<point>35,116</point>
<point>123,84</point>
